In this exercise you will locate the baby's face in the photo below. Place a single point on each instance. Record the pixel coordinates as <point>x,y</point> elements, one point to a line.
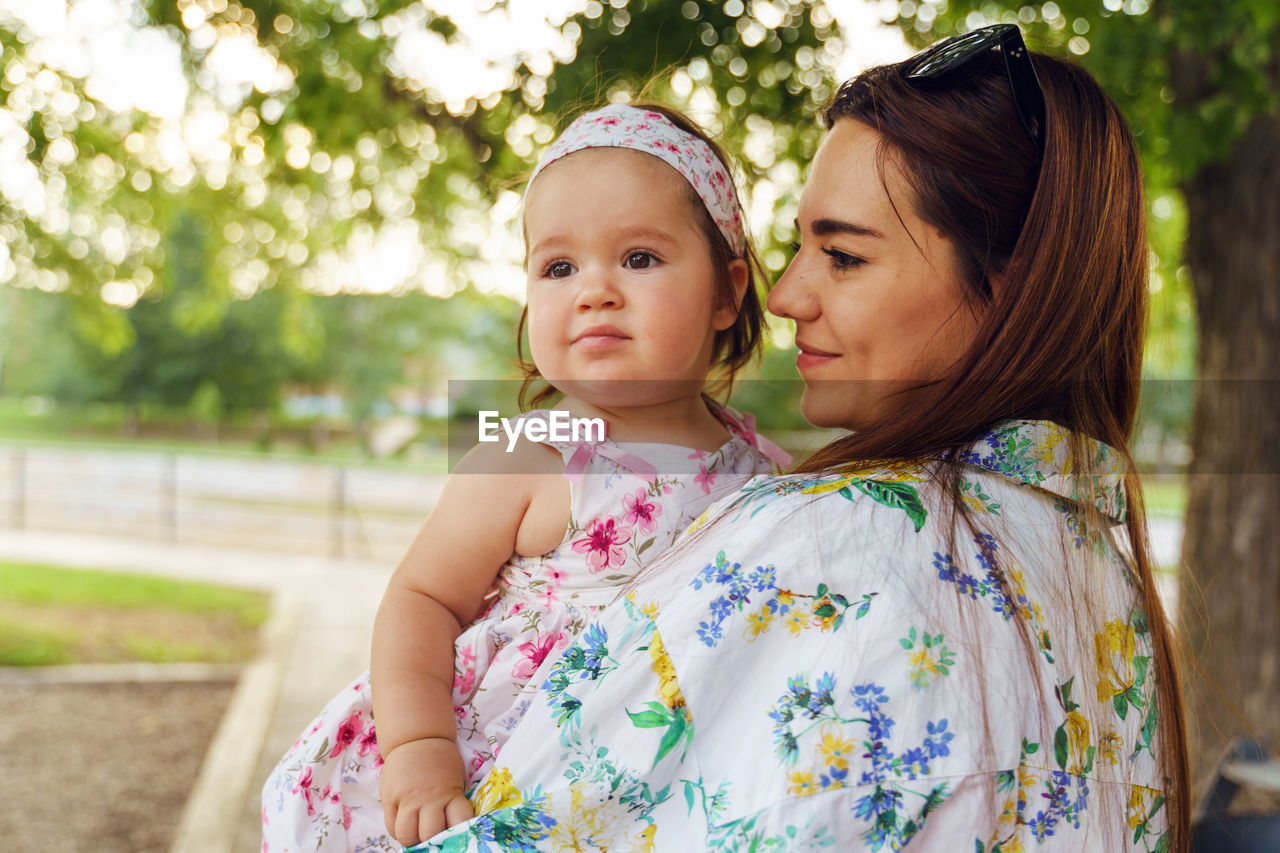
<point>620,280</point>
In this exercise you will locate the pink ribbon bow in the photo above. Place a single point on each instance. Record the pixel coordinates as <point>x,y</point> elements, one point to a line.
<point>578,461</point>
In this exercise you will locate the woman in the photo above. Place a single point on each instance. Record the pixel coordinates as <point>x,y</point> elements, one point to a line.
<point>942,629</point>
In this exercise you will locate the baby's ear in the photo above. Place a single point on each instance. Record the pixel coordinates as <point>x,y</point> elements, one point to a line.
<point>739,278</point>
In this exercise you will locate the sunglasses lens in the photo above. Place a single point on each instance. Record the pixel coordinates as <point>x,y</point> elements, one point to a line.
<point>942,57</point>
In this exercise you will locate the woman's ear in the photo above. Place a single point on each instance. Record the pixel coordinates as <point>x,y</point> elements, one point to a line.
<point>739,277</point>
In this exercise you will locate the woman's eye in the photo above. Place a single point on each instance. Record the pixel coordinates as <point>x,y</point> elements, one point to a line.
<point>559,269</point>
<point>843,260</point>
<point>639,261</point>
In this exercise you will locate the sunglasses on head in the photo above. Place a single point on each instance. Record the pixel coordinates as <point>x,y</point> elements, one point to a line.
<point>954,53</point>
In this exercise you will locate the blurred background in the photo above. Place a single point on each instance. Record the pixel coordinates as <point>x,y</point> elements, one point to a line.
<point>246,244</point>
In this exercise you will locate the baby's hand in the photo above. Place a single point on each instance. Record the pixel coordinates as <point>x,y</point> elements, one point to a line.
<point>422,790</point>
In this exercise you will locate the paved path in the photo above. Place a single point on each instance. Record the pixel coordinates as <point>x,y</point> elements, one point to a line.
<point>315,642</point>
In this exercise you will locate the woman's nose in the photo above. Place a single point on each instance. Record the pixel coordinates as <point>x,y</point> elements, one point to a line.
<point>791,298</point>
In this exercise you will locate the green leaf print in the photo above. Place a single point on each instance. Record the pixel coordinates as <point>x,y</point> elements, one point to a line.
<point>657,715</point>
<point>897,495</point>
<point>660,716</point>
<point>455,844</point>
<point>1060,746</point>
<point>1121,703</point>
<point>675,733</point>
<point>644,546</point>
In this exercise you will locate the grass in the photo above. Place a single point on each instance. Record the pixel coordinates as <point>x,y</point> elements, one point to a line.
<point>51,615</point>
<point>1166,495</point>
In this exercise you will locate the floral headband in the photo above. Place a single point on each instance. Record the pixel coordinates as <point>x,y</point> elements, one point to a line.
<point>624,126</point>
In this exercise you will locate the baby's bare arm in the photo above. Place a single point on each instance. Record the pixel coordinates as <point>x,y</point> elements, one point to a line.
<point>439,587</point>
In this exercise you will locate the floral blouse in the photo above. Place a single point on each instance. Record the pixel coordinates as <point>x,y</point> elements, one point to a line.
<point>824,662</point>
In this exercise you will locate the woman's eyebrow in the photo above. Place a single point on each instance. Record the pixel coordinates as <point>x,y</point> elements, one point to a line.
<point>823,227</point>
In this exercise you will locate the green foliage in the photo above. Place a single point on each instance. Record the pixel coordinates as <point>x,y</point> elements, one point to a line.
<point>196,281</point>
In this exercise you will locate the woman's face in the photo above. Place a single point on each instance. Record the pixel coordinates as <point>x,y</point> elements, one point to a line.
<point>873,291</point>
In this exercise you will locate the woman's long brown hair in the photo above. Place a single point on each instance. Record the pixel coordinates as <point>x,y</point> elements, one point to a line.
<point>1052,252</point>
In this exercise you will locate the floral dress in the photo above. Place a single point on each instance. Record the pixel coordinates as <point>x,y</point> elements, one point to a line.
<point>628,504</point>
<point>825,664</point>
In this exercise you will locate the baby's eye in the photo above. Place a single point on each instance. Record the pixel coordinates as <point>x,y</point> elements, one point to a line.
<point>640,261</point>
<point>559,269</point>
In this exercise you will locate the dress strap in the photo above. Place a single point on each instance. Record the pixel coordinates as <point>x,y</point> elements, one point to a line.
<point>586,450</point>
<point>744,425</point>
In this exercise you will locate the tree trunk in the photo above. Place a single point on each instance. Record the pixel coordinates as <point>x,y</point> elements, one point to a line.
<point>1229,612</point>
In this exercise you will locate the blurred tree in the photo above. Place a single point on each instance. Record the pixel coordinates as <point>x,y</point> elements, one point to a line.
<point>1200,81</point>
<point>313,130</point>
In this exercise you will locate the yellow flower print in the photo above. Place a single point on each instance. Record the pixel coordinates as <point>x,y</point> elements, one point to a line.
<point>786,597</point>
<point>1141,800</point>
<point>825,622</point>
<point>496,792</point>
<point>591,823</point>
<point>698,522</point>
<point>1013,845</point>
<point>1110,745</point>
<point>758,623</point>
<point>668,688</point>
<point>797,619</point>
<point>1053,436</point>
<point>922,660</point>
<point>646,837</point>
<point>1078,742</point>
<point>803,783</point>
<point>1113,650</point>
<point>835,749</point>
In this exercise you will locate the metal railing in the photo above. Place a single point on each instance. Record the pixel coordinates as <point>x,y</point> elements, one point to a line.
<point>229,499</point>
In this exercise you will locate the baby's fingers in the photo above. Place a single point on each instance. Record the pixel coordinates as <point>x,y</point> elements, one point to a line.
<point>458,810</point>
<point>431,821</point>
<point>407,822</point>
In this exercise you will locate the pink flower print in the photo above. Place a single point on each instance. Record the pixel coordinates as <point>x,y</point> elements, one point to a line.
<point>304,786</point>
<point>347,733</point>
<point>697,454</point>
<point>601,544</point>
<point>556,577</point>
<point>640,513</point>
<point>534,654</point>
<point>548,597</point>
<point>463,681</point>
<point>346,817</point>
<point>517,608</point>
<point>368,741</point>
<point>705,479</point>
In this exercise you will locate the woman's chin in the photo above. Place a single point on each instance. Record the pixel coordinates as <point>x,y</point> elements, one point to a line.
<point>820,410</point>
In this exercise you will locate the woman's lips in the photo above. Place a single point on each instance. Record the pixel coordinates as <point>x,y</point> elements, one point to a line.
<point>810,357</point>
